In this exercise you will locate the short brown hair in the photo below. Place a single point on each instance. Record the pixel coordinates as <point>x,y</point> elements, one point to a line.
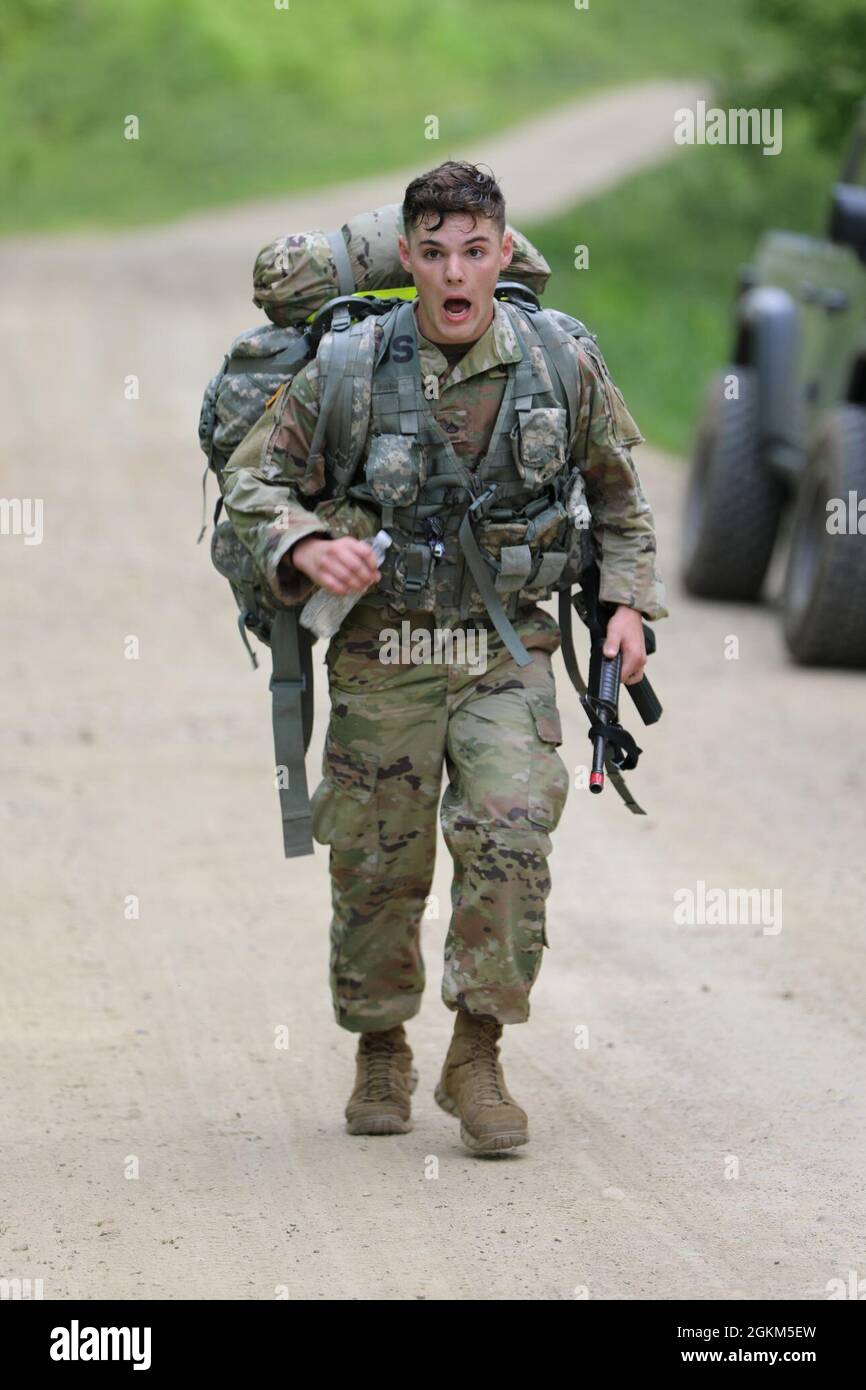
<point>454,186</point>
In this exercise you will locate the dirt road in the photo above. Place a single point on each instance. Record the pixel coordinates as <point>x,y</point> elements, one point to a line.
<point>708,1142</point>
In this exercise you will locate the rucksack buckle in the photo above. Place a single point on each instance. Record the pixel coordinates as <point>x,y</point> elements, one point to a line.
<point>338,313</point>
<point>281,685</point>
<point>518,293</point>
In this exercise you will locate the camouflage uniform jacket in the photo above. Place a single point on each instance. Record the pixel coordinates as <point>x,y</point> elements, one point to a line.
<point>271,504</point>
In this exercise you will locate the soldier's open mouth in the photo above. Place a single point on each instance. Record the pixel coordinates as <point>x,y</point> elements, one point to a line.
<point>456,310</point>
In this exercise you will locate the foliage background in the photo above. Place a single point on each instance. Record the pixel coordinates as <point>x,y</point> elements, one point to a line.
<point>237,100</point>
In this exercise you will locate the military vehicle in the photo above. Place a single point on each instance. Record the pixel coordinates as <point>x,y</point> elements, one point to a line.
<point>780,449</point>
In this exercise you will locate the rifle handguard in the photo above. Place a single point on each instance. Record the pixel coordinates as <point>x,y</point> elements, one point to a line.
<point>611,743</point>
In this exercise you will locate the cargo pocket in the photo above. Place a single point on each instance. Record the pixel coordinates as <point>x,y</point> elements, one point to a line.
<point>344,805</point>
<point>548,775</point>
<point>395,470</point>
<point>538,443</point>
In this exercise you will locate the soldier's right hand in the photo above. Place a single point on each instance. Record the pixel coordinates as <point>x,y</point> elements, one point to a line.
<point>342,566</point>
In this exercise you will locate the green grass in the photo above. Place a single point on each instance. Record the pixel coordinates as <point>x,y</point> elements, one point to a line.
<point>664,249</point>
<point>237,99</point>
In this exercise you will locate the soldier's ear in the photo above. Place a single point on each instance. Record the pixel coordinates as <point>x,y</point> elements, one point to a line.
<point>403,248</point>
<point>507,248</point>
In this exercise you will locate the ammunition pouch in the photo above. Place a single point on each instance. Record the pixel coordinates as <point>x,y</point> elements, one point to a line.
<point>413,564</point>
<point>528,551</point>
<point>396,469</point>
<point>538,444</point>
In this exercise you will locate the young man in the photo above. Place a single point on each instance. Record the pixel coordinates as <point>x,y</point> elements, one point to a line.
<point>462,396</point>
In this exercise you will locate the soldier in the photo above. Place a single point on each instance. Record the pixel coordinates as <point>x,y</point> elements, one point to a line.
<point>462,395</point>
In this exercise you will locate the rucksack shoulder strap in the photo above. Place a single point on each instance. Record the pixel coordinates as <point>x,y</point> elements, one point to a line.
<point>345,278</point>
<point>332,358</point>
<point>554,340</point>
<point>346,373</point>
<point>292,713</point>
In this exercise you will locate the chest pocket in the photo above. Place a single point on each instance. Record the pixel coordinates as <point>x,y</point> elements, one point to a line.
<point>396,469</point>
<point>538,442</point>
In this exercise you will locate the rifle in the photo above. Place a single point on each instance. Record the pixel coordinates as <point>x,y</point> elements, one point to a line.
<point>614,749</point>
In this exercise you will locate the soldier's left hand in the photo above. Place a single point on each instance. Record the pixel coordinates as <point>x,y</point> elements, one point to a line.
<point>625,634</point>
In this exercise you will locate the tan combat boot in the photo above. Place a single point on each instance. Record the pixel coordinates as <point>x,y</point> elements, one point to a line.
<point>384,1081</point>
<point>472,1086</point>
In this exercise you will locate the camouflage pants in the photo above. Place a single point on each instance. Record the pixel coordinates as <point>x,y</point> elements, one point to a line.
<point>496,729</point>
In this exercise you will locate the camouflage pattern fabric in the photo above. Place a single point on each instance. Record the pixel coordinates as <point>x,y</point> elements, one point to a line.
<point>393,730</point>
<point>233,401</point>
<point>393,474</point>
<point>295,275</point>
<point>271,503</point>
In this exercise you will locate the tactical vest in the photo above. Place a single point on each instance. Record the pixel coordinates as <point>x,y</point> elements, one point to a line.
<point>489,539</point>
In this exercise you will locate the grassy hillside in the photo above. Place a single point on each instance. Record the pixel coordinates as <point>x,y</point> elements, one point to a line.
<point>238,99</point>
<point>664,249</point>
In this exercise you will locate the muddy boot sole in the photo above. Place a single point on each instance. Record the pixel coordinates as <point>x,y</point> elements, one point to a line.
<point>494,1143</point>
<point>384,1123</point>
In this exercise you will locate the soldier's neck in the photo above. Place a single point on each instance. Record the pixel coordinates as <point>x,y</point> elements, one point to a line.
<point>453,352</point>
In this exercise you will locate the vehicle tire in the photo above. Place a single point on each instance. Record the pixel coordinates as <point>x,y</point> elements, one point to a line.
<point>825,585</point>
<point>733,502</point>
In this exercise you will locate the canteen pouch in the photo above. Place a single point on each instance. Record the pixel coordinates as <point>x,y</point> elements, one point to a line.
<point>395,470</point>
<point>538,443</point>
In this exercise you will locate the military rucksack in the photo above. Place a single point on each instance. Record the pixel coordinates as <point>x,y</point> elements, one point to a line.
<point>258,364</point>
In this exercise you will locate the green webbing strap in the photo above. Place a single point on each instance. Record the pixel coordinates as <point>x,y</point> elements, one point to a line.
<point>553,339</point>
<point>481,575</point>
<point>523,384</point>
<point>336,382</point>
<point>334,378</point>
<point>407,398</point>
<point>345,278</point>
<point>292,689</point>
<point>570,658</point>
<point>242,629</point>
<point>203,502</point>
<point>346,445</point>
